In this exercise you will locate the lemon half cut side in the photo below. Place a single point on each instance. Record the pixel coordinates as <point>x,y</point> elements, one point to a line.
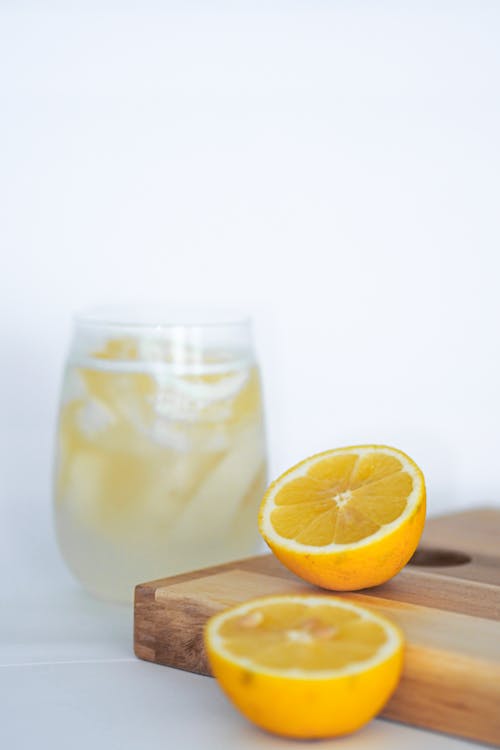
<point>305,666</point>
<point>346,519</point>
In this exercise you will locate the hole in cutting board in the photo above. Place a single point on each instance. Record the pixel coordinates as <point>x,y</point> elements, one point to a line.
<point>438,558</point>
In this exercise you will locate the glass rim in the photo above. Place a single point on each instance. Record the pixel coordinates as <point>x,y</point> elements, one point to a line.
<point>143,317</point>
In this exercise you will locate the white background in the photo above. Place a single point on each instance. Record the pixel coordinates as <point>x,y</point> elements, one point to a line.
<point>330,165</point>
<point>333,167</point>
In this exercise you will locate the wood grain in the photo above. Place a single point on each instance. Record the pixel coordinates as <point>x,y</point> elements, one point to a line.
<point>450,616</point>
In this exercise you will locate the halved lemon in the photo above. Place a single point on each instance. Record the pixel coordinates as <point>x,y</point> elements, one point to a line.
<point>305,666</point>
<point>348,518</point>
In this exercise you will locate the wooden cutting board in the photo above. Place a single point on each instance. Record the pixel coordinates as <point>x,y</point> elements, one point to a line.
<point>447,601</point>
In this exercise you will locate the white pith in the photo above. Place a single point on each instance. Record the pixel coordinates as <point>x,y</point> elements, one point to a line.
<point>340,499</point>
<point>383,653</point>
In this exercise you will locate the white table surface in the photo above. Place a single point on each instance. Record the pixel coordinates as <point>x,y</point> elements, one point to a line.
<point>69,679</point>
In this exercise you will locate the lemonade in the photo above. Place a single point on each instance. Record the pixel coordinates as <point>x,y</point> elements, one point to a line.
<point>160,462</point>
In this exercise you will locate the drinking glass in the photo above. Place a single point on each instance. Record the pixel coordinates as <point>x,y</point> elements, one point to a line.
<point>160,458</point>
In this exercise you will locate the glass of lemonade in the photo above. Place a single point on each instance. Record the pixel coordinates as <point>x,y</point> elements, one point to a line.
<point>160,461</point>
